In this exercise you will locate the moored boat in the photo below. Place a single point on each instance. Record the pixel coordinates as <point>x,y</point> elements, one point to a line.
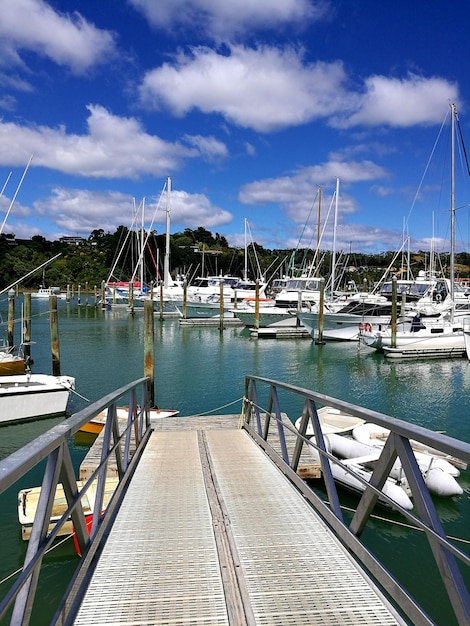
<point>351,479</point>
<point>28,502</point>
<point>96,425</point>
<point>332,421</point>
<point>31,396</point>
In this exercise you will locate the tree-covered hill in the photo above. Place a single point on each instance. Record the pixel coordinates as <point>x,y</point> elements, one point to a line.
<point>192,253</point>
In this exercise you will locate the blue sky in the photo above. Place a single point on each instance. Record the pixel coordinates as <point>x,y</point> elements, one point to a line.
<point>249,106</point>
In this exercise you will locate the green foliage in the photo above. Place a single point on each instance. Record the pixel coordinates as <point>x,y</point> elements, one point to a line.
<point>192,253</point>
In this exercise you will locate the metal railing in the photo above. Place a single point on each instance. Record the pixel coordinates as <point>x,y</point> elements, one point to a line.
<point>122,445</point>
<point>262,413</point>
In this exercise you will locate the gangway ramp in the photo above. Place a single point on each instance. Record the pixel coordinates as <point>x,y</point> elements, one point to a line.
<point>211,532</point>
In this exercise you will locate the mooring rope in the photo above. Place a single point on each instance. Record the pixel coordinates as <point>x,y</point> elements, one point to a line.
<point>224,406</point>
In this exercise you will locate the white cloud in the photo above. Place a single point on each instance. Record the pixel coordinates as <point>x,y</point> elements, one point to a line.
<point>81,211</point>
<point>265,89</point>
<point>115,147</point>
<point>401,102</point>
<point>194,210</point>
<point>210,147</point>
<point>303,184</point>
<point>269,88</point>
<point>66,39</point>
<point>228,19</point>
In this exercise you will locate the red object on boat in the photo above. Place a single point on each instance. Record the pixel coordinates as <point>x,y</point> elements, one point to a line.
<point>89,521</point>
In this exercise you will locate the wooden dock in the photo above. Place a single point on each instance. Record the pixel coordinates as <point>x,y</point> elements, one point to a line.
<point>211,532</point>
<point>280,332</point>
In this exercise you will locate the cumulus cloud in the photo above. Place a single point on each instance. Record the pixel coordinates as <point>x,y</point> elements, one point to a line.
<point>70,209</point>
<point>304,182</point>
<point>401,102</point>
<point>114,147</point>
<point>270,88</point>
<point>297,195</point>
<point>211,148</point>
<point>66,39</point>
<point>221,20</point>
<point>265,89</point>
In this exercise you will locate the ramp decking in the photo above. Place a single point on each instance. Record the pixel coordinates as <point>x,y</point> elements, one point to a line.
<point>211,532</point>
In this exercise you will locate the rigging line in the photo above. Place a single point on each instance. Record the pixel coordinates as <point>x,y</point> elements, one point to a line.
<point>426,169</point>
<point>463,146</point>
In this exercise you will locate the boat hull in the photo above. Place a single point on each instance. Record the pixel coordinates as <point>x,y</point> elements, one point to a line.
<point>96,425</point>
<point>32,396</point>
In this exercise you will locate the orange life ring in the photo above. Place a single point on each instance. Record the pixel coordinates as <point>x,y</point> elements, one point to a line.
<point>368,327</point>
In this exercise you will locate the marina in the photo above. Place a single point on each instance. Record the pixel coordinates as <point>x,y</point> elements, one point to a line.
<point>200,369</point>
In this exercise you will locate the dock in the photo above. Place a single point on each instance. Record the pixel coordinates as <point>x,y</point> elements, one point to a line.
<point>280,332</point>
<point>212,522</point>
<point>211,532</point>
<point>210,321</point>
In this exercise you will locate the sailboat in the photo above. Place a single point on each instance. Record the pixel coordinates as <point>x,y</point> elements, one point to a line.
<point>443,337</point>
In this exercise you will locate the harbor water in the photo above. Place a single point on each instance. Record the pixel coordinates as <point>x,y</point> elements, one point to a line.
<point>200,370</point>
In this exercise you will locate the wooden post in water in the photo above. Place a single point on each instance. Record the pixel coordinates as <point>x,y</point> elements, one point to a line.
<point>79,288</point>
<point>319,339</point>
<point>54,324</point>
<point>149,348</point>
<point>161,301</point>
<point>11,318</point>
<point>257,305</point>
<point>130,296</point>
<point>86,293</point>
<point>221,305</point>
<point>393,341</point>
<point>185,298</point>
<point>103,295</point>
<point>27,329</point>
<point>67,296</point>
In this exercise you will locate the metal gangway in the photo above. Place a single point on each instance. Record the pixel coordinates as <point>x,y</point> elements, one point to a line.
<point>211,523</point>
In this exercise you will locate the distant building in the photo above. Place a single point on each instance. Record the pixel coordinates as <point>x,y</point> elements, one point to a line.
<point>77,241</point>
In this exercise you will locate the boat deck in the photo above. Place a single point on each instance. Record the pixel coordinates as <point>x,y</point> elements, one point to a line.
<point>211,532</point>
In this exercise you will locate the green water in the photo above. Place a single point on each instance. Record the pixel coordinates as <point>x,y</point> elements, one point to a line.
<point>200,369</point>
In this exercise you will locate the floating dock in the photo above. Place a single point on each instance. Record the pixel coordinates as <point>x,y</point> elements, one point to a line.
<point>210,531</point>
<point>279,332</point>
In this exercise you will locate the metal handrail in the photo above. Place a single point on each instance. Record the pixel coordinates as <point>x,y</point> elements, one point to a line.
<point>123,445</point>
<point>258,418</point>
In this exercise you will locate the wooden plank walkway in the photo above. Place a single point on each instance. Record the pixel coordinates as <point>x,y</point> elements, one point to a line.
<point>211,532</point>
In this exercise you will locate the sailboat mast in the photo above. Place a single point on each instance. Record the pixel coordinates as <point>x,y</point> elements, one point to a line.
<point>142,245</point>
<point>333,260</point>
<point>166,260</point>
<point>245,270</point>
<point>452,204</point>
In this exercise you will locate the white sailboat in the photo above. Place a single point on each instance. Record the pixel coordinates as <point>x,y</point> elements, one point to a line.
<point>445,336</point>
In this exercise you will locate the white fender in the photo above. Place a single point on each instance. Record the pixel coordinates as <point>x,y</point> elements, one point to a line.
<point>441,483</point>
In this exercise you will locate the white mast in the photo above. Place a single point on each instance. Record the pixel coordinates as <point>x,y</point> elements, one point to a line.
<point>333,260</point>
<point>142,246</point>
<point>245,271</point>
<point>452,204</point>
<point>166,261</point>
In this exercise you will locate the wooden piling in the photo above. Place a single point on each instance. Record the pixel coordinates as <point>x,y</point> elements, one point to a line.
<point>149,348</point>
<point>27,328</point>
<point>11,318</point>
<point>393,341</point>
<point>103,295</point>
<point>321,305</point>
<point>54,325</point>
<point>221,305</point>
<point>257,305</point>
